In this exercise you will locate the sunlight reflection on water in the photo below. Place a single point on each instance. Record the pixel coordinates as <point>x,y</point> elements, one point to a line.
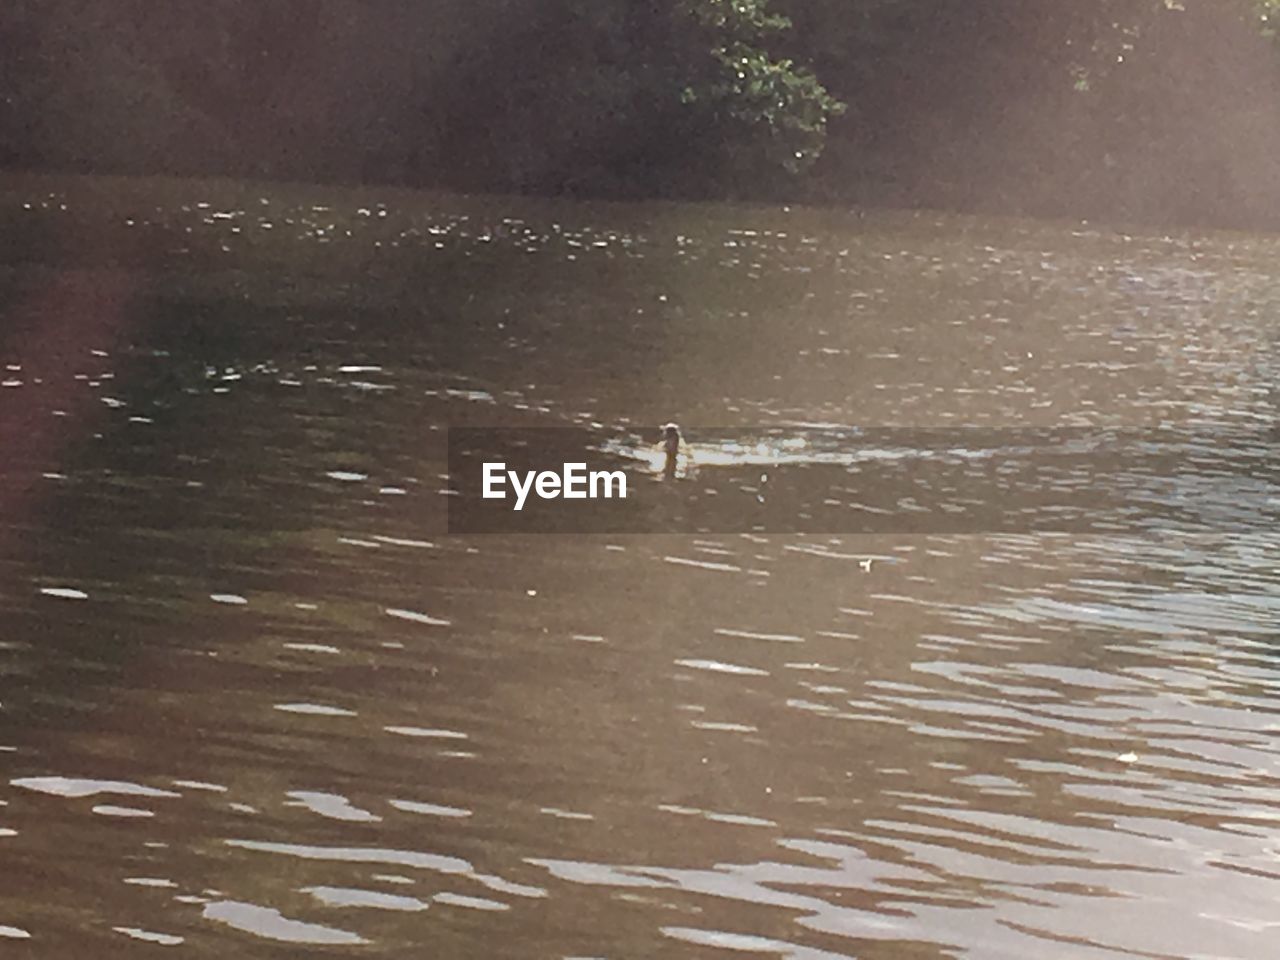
<point>1002,744</point>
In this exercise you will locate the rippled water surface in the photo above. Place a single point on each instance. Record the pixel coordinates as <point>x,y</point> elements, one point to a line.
<point>255,700</point>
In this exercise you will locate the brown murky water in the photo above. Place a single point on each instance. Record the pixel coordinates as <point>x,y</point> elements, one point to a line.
<point>255,701</point>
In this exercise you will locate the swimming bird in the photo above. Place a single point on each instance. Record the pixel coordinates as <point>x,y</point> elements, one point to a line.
<point>671,438</point>
<point>671,443</point>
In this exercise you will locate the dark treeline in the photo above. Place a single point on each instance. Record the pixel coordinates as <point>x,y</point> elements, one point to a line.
<point>1158,110</point>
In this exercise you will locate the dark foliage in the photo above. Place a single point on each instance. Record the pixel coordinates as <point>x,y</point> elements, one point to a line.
<point>1150,109</point>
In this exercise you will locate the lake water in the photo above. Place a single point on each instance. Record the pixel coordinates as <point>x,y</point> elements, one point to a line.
<point>256,700</point>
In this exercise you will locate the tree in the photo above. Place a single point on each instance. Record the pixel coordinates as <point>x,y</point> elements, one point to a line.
<point>780,106</point>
